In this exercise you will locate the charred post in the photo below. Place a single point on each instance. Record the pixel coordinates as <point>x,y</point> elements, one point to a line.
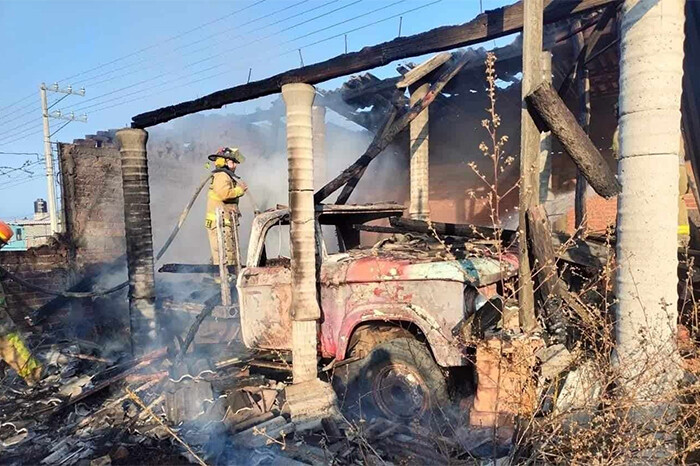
<point>378,146</point>
<point>584,116</point>
<point>139,238</point>
<point>545,101</point>
<point>529,154</point>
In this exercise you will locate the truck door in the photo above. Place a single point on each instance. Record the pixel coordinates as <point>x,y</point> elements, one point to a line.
<point>265,293</point>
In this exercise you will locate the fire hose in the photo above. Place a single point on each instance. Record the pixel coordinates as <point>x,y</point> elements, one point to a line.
<point>99,293</point>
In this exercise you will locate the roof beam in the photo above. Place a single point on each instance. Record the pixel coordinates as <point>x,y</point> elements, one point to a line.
<point>488,25</point>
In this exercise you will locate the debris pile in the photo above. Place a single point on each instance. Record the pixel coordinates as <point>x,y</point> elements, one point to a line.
<point>93,410</point>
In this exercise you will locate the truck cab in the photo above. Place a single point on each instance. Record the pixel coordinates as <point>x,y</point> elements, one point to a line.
<point>401,296</point>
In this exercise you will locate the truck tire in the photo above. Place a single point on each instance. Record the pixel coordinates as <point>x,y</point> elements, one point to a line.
<point>398,380</point>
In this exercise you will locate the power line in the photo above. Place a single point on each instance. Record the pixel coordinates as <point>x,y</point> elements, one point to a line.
<point>57,101</point>
<point>31,104</point>
<point>16,117</point>
<point>186,75</point>
<point>21,181</point>
<point>222,73</point>
<point>268,57</point>
<point>19,153</point>
<point>101,100</point>
<point>21,125</point>
<point>165,41</point>
<point>28,96</point>
<point>227,30</point>
<point>5,141</point>
<point>137,52</point>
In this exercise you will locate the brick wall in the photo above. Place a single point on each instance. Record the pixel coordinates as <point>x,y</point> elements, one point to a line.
<point>93,201</point>
<point>91,251</point>
<point>47,266</point>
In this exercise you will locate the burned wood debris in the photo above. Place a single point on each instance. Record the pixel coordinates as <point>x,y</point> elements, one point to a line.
<point>90,410</point>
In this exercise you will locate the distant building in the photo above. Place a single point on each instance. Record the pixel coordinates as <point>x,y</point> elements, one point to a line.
<point>30,232</point>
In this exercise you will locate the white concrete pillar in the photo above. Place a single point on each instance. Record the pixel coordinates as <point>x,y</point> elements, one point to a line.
<point>651,72</point>
<point>305,310</point>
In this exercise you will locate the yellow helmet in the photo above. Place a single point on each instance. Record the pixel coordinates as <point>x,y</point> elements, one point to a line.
<point>232,153</point>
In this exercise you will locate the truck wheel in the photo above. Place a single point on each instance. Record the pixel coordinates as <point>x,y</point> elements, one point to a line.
<point>399,380</point>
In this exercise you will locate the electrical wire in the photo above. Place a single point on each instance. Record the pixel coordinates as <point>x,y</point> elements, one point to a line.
<point>10,141</point>
<point>165,41</point>
<point>227,71</point>
<point>20,153</point>
<point>185,75</point>
<point>189,75</point>
<point>59,129</point>
<point>57,101</point>
<point>5,171</point>
<point>208,47</point>
<point>225,31</point>
<point>2,109</point>
<point>137,52</point>
<point>35,108</point>
<point>267,58</point>
<point>20,182</point>
<point>21,125</point>
<point>31,119</point>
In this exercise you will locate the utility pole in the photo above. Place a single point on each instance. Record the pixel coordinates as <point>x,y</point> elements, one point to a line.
<point>48,153</point>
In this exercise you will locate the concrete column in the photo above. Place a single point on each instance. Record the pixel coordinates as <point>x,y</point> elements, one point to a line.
<point>318,118</point>
<point>305,310</point>
<point>139,238</point>
<point>420,186</point>
<point>651,72</point>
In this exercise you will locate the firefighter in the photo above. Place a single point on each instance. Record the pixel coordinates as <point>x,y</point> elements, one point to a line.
<point>224,192</point>
<point>13,351</point>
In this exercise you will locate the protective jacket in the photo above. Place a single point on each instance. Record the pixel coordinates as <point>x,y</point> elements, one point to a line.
<point>224,192</point>
<point>13,351</point>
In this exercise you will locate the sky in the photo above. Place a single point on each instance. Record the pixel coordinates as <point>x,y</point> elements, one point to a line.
<point>135,56</point>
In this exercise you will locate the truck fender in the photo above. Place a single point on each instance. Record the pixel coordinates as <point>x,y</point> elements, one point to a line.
<point>446,350</point>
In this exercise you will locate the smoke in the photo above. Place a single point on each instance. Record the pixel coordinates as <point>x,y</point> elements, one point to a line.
<point>178,155</point>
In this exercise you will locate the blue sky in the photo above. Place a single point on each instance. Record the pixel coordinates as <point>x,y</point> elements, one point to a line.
<point>135,56</point>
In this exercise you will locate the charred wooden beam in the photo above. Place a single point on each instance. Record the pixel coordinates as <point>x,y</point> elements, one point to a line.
<point>488,25</point>
<point>553,291</point>
<point>382,133</point>
<point>378,86</point>
<point>584,51</point>
<point>419,72</point>
<point>194,268</point>
<point>376,148</point>
<point>378,229</point>
<point>553,111</point>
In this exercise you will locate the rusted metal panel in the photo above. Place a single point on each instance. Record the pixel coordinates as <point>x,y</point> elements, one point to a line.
<point>435,307</point>
<point>371,285</point>
<point>479,271</point>
<point>266,302</point>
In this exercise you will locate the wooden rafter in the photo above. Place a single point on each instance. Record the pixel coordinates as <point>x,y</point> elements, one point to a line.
<point>486,26</point>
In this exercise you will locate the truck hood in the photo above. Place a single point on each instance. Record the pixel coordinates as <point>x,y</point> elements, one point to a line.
<point>361,266</point>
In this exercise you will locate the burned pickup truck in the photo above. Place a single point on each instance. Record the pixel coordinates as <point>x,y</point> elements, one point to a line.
<point>390,312</point>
